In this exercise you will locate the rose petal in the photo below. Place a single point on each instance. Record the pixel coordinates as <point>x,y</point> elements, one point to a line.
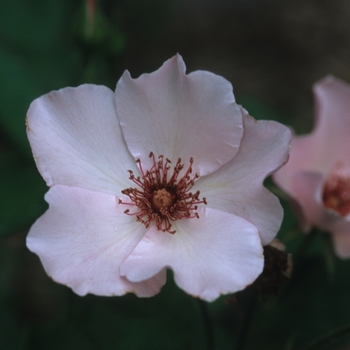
<point>82,240</point>
<point>341,241</point>
<point>237,187</point>
<point>216,254</point>
<point>329,142</point>
<point>77,141</point>
<point>180,116</point>
<point>307,187</point>
<point>301,158</point>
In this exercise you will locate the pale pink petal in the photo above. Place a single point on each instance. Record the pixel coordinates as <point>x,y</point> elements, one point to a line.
<point>77,141</point>
<point>216,254</point>
<point>176,115</point>
<point>300,159</point>
<point>329,142</point>
<point>306,188</point>
<point>82,240</point>
<point>237,187</point>
<point>341,241</point>
<point>315,157</point>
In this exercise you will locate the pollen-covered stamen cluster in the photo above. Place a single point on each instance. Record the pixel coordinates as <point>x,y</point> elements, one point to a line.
<point>162,197</point>
<point>336,193</point>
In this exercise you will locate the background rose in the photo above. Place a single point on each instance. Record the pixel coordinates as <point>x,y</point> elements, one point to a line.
<point>317,175</point>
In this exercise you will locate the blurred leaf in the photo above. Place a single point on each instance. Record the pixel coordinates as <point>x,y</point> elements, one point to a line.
<point>19,87</point>
<point>35,57</point>
<point>310,305</point>
<point>260,110</point>
<point>169,321</point>
<point>101,42</point>
<point>21,200</point>
<point>11,335</point>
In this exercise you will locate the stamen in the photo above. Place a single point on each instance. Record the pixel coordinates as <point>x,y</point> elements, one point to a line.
<point>161,199</point>
<point>336,192</point>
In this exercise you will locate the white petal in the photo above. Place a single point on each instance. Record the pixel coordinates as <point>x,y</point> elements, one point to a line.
<point>180,116</point>
<point>82,240</point>
<point>216,254</point>
<point>237,187</point>
<point>77,141</point>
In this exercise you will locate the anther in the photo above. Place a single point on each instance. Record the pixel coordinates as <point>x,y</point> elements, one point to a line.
<point>336,194</point>
<point>160,198</point>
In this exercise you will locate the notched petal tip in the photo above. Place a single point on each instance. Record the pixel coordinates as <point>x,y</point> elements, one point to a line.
<point>332,99</point>
<point>276,138</point>
<point>327,81</point>
<point>203,265</point>
<point>180,115</point>
<point>176,60</point>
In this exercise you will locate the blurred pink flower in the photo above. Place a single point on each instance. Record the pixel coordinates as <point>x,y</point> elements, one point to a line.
<point>166,172</point>
<point>317,175</point>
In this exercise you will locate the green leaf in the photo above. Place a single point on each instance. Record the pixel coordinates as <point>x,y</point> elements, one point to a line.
<point>21,200</point>
<point>35,57</point>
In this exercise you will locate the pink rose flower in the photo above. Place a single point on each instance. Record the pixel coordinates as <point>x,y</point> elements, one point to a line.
<point>166,172</point>
<point>317,176</point>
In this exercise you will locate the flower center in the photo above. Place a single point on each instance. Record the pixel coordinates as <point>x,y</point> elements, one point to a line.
<point>336,192</point>
<point>161,198</point>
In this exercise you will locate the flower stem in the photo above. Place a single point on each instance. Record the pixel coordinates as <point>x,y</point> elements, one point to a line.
<point>250,309</point>
<point>207,324</point>
<point>334,335</point>
<point>328,253</point>
<point>305,245</point>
